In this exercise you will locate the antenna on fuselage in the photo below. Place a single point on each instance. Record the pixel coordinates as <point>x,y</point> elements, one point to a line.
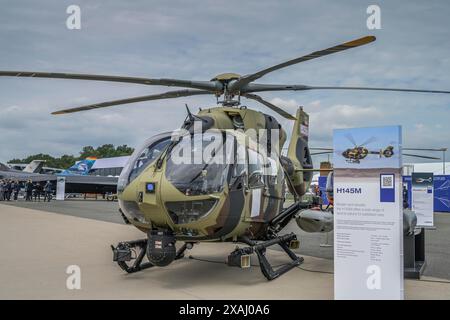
<point>190,115</point>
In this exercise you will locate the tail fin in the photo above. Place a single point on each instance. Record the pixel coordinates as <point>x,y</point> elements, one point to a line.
<point>81,167</point>
<point>298,153</point>
<point>34,166</point>
<point>4,167</point>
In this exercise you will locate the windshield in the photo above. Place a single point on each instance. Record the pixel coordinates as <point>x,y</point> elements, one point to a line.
<point>200,164</point>
<point>141,158</point>
<point>147,156</point>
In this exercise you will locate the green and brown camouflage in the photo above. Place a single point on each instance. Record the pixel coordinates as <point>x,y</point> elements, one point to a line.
<point>232,210</point>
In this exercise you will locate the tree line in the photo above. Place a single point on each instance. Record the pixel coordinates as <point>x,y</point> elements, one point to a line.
<point>65,161</point>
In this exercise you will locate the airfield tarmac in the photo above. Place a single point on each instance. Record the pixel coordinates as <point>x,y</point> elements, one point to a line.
<point>437,241</point>
<point>38,245</point>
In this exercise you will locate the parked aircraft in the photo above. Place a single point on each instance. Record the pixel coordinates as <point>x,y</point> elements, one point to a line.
<point>80,168</point>
<point>77,178</point>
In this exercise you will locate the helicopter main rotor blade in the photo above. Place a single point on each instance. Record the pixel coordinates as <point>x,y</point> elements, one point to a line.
<point>351,139</point>
<point>241,82</point>
<point>321,152</point>
<point>204,85</point>
<point>166,95</point>
<point>369,141</point>
<point>254,87</point>
<point>327,149</point>
<point>419,156</point>
<point>270,105</point>
<point>426,149</point>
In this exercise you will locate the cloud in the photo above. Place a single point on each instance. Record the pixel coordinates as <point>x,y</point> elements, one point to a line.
<point>345,116</point>
<point>323,119</point>
<point>419,126</point>
<point>197,40</point>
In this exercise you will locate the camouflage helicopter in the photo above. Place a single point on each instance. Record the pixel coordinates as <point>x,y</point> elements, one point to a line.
<point>206,201</point>
<point>359,152</point>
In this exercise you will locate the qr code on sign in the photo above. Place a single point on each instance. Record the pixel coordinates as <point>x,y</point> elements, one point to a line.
<point>387,181</point>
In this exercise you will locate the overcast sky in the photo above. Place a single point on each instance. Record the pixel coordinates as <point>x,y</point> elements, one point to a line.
<point>199,39</point>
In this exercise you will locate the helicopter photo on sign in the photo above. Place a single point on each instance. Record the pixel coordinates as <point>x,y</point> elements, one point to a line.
<point>365,148</point>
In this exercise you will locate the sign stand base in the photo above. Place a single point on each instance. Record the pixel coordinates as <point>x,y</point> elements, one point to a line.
<point>414,255</point>
<point>416,272</point>
<point>326,244</point>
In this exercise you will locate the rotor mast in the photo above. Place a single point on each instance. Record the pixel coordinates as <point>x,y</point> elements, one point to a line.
<point>223,81</point>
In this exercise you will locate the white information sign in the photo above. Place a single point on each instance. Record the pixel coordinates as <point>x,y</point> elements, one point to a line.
<point>368,216</point>
<point>422,198</point>
<point>60,188</point>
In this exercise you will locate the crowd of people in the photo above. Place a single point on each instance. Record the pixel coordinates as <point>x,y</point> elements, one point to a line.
<point>10,190</point>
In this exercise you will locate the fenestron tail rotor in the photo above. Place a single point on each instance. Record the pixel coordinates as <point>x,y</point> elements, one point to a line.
<point>230,85</point>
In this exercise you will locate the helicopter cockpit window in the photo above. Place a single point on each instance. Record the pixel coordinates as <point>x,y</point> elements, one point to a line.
<point>240,167</point>
<point>193,170</point>
<point>272,174</point>
<point>147,156</point>
<point>142,158</point>
<point>255,169</point>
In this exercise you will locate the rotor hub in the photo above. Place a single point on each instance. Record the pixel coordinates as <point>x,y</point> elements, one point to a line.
<point>226,77</point>
<point>228,97</point>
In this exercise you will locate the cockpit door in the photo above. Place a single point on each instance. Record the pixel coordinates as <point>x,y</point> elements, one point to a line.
<point>256,185</point>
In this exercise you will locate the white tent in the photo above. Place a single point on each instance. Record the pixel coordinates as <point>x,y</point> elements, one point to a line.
<point>436,168</point>
<point>116,162</point>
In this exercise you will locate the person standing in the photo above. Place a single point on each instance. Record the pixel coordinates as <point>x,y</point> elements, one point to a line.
<point>16,190</point>
<point>48,191</point>
<point>29,190</point>
<point>8,190</point>
<point>37,192</point>
<point>405,198</point>
<point>13,186</point>
<point>2,190</point>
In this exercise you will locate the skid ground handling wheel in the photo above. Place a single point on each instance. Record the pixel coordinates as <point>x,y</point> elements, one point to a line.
<point>160,251</point>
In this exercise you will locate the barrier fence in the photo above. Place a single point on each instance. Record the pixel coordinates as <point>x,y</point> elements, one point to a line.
<point>441,192</point>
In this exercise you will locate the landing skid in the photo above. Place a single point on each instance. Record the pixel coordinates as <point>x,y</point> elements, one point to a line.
<point>240,256</point>
<point>123,254</point>
<point>129,255</point>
